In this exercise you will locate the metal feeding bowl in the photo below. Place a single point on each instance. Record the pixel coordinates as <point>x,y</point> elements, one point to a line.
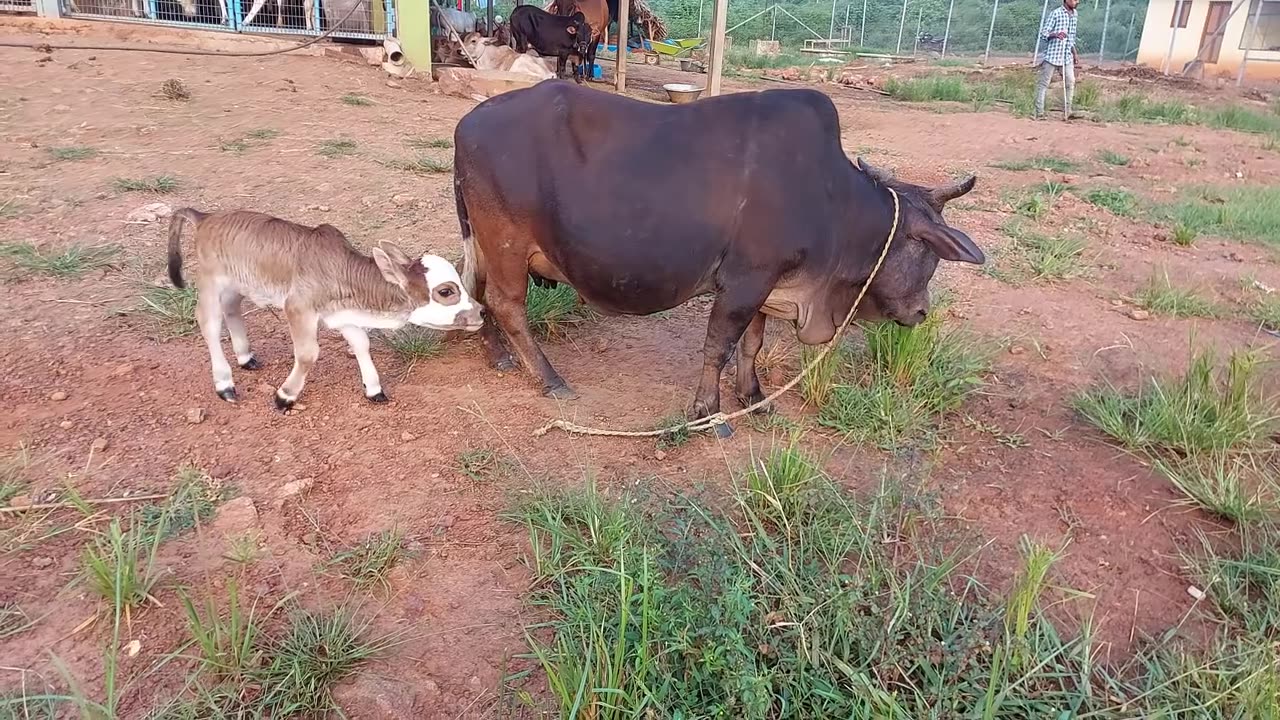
<point>681,93</point>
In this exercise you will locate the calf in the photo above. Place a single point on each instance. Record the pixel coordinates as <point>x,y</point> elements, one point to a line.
<point>315,276</point>
<point>597,14</point>
<point>486,54</point>
<point>550,35</point>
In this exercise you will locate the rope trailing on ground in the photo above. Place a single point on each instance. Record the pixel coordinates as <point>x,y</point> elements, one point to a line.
<point>47,47</point>
<point>720,418</point>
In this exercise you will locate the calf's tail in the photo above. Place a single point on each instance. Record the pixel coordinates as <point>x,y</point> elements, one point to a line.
<point>470,253</point>
<point>180,216</point>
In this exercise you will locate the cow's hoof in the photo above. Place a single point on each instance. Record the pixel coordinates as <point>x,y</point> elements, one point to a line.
<point>381,397</point>
<point>228,394</point>
<point>722,430</point>
<point>560,392</point>
<point>505,364</point>
<point>251,364</point>
<point>283,403</point>
<point>750,400</point>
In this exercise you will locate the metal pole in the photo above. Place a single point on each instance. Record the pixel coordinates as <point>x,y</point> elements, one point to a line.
<point>991,30</point>
<point>862,41</point>
<point>488,16</point>
<point>946,35</point>
<point>1253,40</point>
<point>620,67</point>
<point>1044,12</point>
<point>699,33</point>
<point>715,69</point>
<point>773,23</point>
<point>1102,43</point>
<point>1173,35</point>
<point>844,32</point>
<point>1128,37</point>
<point>919,19</point>
<point>902,24</point>
<point>831,31</point>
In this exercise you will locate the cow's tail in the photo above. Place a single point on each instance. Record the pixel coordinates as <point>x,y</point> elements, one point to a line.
<point>180,217</point>
<point>470,253</point>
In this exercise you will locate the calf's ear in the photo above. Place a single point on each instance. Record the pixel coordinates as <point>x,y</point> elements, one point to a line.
<point>392,262</point>
<point>949,243</point>
<point>571,30</point>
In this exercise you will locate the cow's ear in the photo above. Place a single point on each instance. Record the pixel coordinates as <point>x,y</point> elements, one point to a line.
<point>572,30</point>
<point>392,262</point>
<point>949,243</point>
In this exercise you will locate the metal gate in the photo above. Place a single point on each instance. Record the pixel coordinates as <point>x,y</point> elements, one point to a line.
<point>18,6</point>
<point>367,19</point>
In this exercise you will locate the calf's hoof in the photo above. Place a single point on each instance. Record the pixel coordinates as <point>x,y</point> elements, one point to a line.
<point>283,403</point>
<point>560,392</point>
<point>228,394</point>
<point>251,364</point>
<point>381,397</point>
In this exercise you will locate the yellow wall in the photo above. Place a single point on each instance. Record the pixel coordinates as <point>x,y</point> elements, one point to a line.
<point>413,30</point>
<point>1186,43</point>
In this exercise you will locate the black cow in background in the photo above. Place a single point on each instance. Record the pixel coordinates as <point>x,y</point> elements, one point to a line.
<point>550,35</point>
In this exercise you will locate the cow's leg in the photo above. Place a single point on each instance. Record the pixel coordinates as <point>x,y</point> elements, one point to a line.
<point>303,324</point>
<point>231,301</point>
<point>253,11</point>
<point>561,59</point>
<point>505,298</point>
<point>358,339</point>
<point>748,387</point>
<point>733,311</point>
<point>590,60</point>
<point>209,318</point>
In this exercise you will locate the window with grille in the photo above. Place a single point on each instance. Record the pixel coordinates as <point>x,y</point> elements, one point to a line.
<point>1266,34</point>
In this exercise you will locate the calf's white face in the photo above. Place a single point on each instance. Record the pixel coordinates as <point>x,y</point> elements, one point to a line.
<point>433,285</point>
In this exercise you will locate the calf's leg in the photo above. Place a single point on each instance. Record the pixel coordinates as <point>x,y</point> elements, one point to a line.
<point>358,339</point>
<point>302,328</point>
<point>748,386</point>
<point>209,318</point>
<point>231,301</point>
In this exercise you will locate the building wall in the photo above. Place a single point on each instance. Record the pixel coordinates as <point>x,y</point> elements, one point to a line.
<point>1156,32</point>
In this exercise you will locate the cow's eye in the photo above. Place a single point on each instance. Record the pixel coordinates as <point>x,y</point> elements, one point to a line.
<point>446,292</point>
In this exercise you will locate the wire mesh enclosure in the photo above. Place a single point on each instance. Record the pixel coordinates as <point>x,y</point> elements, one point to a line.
<point>369,19</point>
<point>17,6</point>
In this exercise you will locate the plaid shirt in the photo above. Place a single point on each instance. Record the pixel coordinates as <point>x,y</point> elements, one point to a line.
<point>1057,51</point>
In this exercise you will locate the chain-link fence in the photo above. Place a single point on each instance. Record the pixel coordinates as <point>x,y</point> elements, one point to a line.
<point>1108,29</point>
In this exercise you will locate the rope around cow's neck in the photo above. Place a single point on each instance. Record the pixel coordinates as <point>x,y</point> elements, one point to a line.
<point>720,418</point>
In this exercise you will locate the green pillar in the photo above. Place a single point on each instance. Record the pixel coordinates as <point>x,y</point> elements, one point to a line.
<point>413,30</point>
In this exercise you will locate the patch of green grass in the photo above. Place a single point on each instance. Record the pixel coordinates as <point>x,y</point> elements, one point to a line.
<point>1039,162</point>
<point>74,152</point>
<point>1244,583</point>
<point>1036,256</point>
<point>1087,96</point>
<point>24,706</point>
<point>1264,310</point>
<point>245,548</point>
<point>553,310</point>
<point>356,100</point>
<point>953,62</point>
<point>1161,297</point>
<point>370,562</point>
<point>482,465</point>
<point>1236,117</point>
<point>1239,488</point>
<point>1240,213</point>
<point>70,261</point>
<point>411,343</point>
<point>13,474</point>
<point>262,134</point>
<point>228,644</point>
<point>817,384</point>
<point>1134,107</point>
<point>338,147</point>
<point>1183,235</point>
<point>424,143</point>
<point>675,438</point>
<point>120,566</point>
<point>1208,409</point>
<point>1039,200</point>
<point>194,500</point>
<point>929,88</point>
<point>1110,157</point>
<point>903,381</point>
<point>745,58</point>
<point>233,146</point>
<point>420,165</point>
<point>1117,200</point>
<point>170,311</point>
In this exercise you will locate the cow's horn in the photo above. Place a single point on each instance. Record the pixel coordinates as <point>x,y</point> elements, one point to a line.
<point>876,173</point>
<point>942,195</point>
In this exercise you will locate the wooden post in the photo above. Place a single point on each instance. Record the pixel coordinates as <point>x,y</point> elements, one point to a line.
<point>715,66</point>
<point>624,21</point>
<point>413,30</point>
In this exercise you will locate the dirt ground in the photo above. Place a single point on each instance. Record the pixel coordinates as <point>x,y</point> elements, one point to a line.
<point>147,401</point>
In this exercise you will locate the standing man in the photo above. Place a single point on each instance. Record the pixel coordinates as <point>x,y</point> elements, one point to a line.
<point>1059,36</point>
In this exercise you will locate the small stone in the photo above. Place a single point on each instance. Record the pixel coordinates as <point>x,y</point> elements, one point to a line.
<point>322,208</point>
<point>448,521</point>
<point>42,562</point>
<point>195,416</point>
<point>407,436</point>
<point>20,501</point>
<point>1139,314</point>
<point>66,424</point>
<point>659,455</point>
<point>62,108</point>
<point>393,84</point>
<point>299,407</point>
<point>1195,592</point>
<point>310,539</point>
<point>98,445</point>
<point>292,488</point>
<point>133,648</point>
<point>149,213</point>
<point>1016,350</point>
<point>402,199</point>
<point>57,396</point>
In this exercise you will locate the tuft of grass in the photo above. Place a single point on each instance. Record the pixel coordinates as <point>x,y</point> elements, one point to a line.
<point>1242,585</point>
<point>70,261</point>
<point>817,384</point>
<point>421,165</point>
<point>338,147</point>
<point>1161,297</point>
<point>23,706</point>
<point>929,88</point>
<point>675,438</point>
<point>233,146</point>
<point>74,152</point>
<point>162,184</point>
<point>370,562</point>
<point>1183,235</point>
<point>170,311</point>
<point>229,644</point>
<point>482,465</point>
<point>13,474</point>
<point>1133,107</point>
<point>120,566</point>
<point>411,343</point>
<point>194,500</point>
<point>1236,117</point>
<point>422,143</point>
<point>1036,256</point>
<point>1208,409</point>
<point>553,310</point>
<point>1040,162</point>
<point>1239,488</point>
<point>174,89</point>
<point>1264,310</point>
<point>356,100</point>
<point>1110,157</point>
<point>1117,200</point>
<point>905,379</point>
<point>245,548</point>
<point>1240,213</point>
<point>262,134</point>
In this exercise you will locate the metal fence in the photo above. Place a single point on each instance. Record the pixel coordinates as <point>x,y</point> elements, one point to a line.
<point>371,19</point>
<point>1107,29</point>
<point>17,6</point>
